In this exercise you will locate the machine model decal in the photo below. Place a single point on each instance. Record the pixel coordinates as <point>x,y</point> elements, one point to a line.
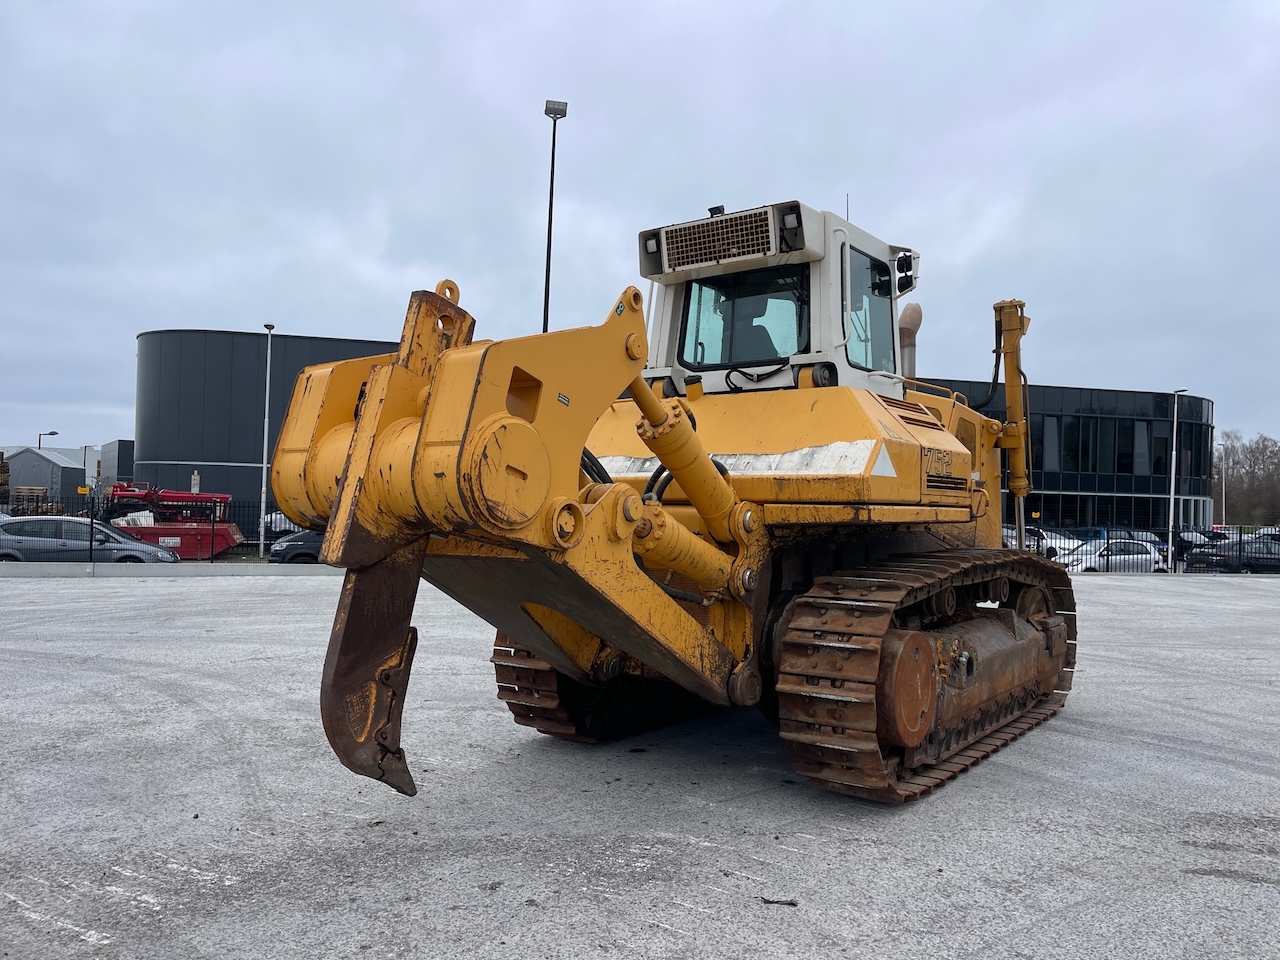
<point>937,462</point>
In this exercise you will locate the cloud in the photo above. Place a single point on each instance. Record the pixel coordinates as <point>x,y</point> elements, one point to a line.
<point>171,165</point>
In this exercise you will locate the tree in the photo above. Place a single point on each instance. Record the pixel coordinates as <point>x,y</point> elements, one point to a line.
<point>1251,470</point>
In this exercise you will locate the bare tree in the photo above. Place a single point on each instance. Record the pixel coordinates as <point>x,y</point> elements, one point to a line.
<point>1251,470</point>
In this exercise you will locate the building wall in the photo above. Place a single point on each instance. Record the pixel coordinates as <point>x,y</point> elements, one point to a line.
<point>117,462</point>
<point>200,405</point>
<point>33,468</point>
<point>1101,457</point>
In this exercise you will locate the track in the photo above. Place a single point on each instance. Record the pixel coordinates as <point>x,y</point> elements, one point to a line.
<point>829,664</point>
<point>531,690</point>
<point>540,697</point>
<point>829,661</point>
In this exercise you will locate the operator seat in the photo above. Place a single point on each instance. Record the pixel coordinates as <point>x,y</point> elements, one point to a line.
<point>752,342</point>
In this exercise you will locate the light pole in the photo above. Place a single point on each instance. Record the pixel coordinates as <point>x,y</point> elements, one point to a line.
<point>556,110</point>
<point>1173,478</point>
<point>40,437</point>
<point>266,417</point>
<point>1223,473</point>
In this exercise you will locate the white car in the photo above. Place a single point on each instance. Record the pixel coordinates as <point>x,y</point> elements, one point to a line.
<point>1055,542</point>
<point>1113,556</point>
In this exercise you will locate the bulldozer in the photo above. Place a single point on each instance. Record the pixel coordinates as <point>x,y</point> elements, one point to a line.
<point>742,497</point>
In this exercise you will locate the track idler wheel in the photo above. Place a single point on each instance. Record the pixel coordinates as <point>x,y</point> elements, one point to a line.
<point>906,688</point>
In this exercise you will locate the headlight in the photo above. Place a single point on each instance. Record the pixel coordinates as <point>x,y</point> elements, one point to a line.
<point>277,547</point>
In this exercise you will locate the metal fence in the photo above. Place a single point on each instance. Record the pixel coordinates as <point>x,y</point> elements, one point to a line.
<point>1079,549</point>
<point>1142,550</point>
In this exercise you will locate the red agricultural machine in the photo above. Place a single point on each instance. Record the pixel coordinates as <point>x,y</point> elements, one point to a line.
<point>194,525</point>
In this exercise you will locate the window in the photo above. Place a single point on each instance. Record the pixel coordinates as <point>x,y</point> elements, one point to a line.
<point>1124,446</point>
<point>78,532</point>
<point>751,318</point>
<point>1141,449</point>
<point>1160,456</point>
<point>1107,446</point>
<point>1089,444</point>
<point>1051,446</point>
<point>868,312</point>
<point>1070,444</point>
<point>44,529</point>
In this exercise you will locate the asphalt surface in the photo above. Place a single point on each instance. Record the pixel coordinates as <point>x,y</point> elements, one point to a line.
<point>166,791</point>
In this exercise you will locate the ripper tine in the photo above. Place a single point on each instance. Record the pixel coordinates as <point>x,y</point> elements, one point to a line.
<point>366,671</point>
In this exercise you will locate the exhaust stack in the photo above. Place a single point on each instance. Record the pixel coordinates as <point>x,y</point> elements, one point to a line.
<point>908,326</point>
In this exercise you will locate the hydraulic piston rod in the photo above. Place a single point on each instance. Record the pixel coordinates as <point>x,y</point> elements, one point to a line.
<point>666,429</point>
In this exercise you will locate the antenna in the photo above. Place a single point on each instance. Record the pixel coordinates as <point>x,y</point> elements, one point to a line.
<point>846,206</point>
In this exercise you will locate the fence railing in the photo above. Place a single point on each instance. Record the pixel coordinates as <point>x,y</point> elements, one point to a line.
<point>1080,549</point>
<point>1144,550</point>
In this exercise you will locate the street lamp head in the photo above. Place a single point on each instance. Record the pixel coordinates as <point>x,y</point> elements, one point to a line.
<point>51,433</point>
<point>1183,390</point>
<point>557,109</point>
<point>269,326</point>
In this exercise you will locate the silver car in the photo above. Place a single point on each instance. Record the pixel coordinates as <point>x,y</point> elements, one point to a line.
<point>1114,556</point>
<point>73,540</point>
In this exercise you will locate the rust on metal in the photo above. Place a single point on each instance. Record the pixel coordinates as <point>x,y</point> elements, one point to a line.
<point>366,671</point>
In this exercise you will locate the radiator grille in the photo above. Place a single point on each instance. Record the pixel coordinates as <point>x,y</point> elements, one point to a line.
<point>731,237</point>
<point>914,414</point>
<point>935,481</point>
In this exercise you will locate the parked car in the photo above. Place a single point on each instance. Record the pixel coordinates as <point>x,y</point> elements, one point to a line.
<point>69,539</point>
<point>1114,556</point>
<point>278,524</point>
<point>300,547</point>
<point>1034,539</point>
<point>1055,542</point>
<point>1251,556</point>
<point>1159,543</point>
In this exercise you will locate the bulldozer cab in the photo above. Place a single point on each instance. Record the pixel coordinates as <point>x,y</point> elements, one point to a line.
<point>772,298</point>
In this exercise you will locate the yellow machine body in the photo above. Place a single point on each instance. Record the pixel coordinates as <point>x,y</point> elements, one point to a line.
<point>519,477</point>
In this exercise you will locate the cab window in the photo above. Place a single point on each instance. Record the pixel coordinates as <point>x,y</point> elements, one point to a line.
<point>868,311</point>
<point>746,319</point>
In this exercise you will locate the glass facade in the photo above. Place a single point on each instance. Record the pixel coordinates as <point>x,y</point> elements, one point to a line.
<point>1101,458</point>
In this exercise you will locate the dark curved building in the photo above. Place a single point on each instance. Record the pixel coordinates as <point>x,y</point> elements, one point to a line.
<point>1101,458</point>
<point>200,400</point>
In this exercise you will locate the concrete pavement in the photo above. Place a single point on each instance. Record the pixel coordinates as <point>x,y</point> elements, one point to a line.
<point>166,791</point>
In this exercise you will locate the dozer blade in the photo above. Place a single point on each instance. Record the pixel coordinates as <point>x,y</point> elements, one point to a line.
<point>366,671</point>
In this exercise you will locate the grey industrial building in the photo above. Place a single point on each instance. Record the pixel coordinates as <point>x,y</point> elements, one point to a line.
<point>39,476</point>
<point>200,406</point>
<point>1099,457</point>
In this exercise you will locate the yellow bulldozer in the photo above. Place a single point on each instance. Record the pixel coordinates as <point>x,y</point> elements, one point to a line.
<point>745,500</point>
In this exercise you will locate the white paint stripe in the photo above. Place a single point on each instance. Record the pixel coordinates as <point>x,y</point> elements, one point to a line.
<point>93,936</point>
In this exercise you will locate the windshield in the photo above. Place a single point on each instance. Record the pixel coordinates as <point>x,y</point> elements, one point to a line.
<point>751,318</point>
<point>1085,548</point>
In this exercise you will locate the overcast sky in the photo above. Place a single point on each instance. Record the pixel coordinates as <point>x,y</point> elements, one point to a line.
<point>222,165</point>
